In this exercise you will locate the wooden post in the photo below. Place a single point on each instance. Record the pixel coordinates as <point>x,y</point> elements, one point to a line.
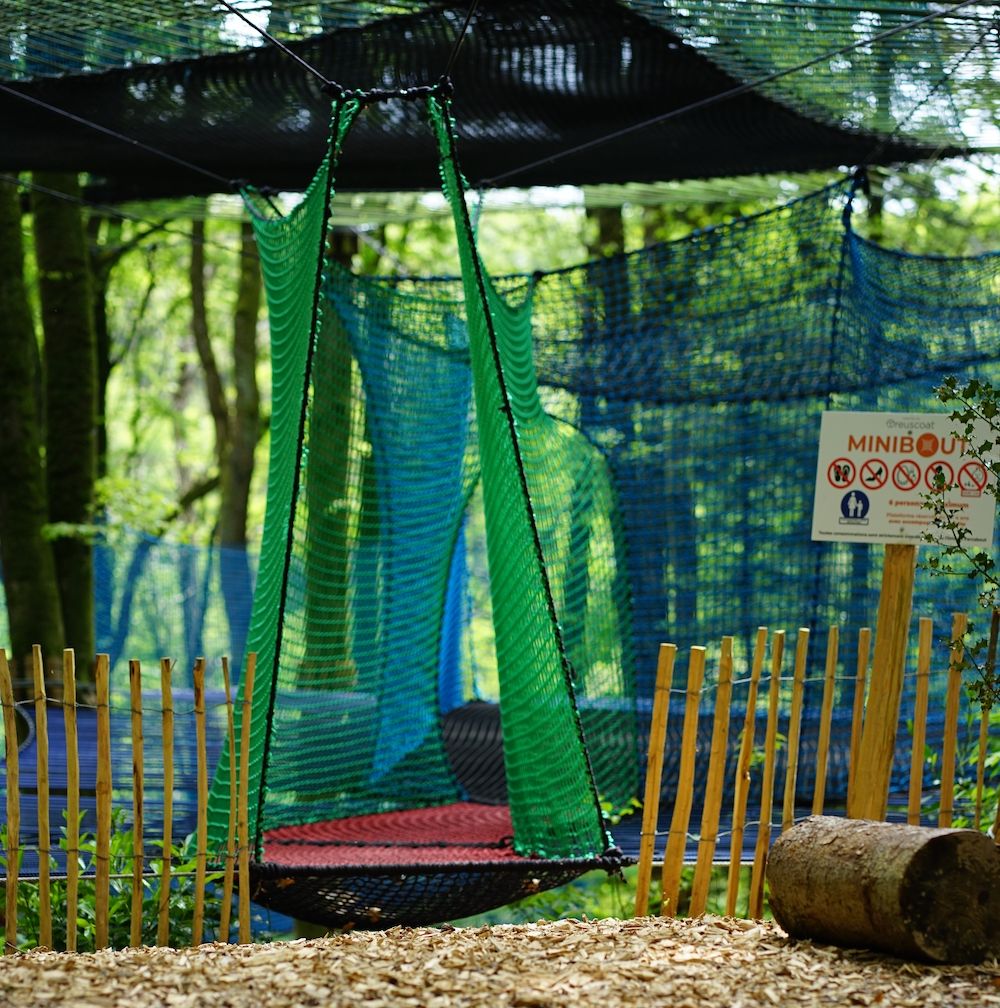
<point>673,858</point>
<point>243,812</point>
<point>878,735</point>
<point>825,720</point>
<point>924,638</point>
<point>949,746</point>
<point>708,833</point>
<point>654,775</point>
<point>138,841</point>
<point>795,729</point>
<point>13,804</point>
<point>167,694</point>
<point>756,907</point>
<point>201,853</point>
<point>858,713</point>
<point>44,823</point>
<point>72,797</point>
<point>984,717</point>
<point>102,880</point>
<point>227,878</point>
<point>742,786</point>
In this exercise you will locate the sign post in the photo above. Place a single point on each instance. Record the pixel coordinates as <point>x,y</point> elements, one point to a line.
<point>872,474</point>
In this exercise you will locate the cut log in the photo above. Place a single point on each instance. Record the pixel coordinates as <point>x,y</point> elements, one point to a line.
<point>915,892</point>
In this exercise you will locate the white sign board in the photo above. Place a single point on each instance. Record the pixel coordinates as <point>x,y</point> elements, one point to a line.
<point>875,470</point>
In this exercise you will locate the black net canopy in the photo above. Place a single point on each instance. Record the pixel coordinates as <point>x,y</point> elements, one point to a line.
<point>546,91</point>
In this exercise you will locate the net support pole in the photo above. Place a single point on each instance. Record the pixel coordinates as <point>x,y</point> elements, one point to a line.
<point>878,733</point>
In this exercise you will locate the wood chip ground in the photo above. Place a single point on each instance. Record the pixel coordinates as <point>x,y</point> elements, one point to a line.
<point>700,963</point>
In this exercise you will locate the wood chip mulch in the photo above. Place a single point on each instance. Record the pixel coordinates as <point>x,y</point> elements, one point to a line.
<point>701,963</point>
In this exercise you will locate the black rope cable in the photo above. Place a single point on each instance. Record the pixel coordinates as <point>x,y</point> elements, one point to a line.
<point>734,92</point>
<point>117,136</point>
<point>280,45</point>
<point>460,39</point>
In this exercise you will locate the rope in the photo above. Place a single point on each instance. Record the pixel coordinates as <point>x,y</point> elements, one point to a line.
<point>734,92</point>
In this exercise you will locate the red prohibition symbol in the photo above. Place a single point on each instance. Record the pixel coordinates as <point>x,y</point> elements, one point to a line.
<point>841,472</point>
<point>972,477</point>
<point>874,474</point>
<point>939,475</point>
<point>906,474</point>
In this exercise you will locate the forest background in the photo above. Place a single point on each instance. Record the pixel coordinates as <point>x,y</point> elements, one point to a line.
<point>134,359</point>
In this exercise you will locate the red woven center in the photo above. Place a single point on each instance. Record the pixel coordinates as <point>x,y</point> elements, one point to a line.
<point>460,833</point>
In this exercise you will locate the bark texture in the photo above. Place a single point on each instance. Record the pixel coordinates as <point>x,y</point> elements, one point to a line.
<point>70,397</point>
<point>29,574</point>
<point>914,892</point>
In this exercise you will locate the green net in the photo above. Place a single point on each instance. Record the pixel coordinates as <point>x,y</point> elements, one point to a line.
<point>397,416</point>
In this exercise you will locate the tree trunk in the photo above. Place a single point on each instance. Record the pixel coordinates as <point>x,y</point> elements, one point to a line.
<point>237,462</point>
<point>29,574</point>
<point>71,401</point>
<point>911,891</point>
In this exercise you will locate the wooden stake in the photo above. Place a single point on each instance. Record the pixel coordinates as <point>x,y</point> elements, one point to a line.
<point>13,804</point>
<point>794,729</point>
<point>984,718</point>
<point>858,713</point>
<point>166,691</point>
<point>654,775</point>
<point>201,854</point>
<point>878,734</point>
<point>227,879</point>
<point>72,798</point>
<point>243,812</point>
<point>102,882</point>
<point>742,787</point>
<point>756,907</point>
<point>138,783</point>
<point>959,623</point>
<point>44,823</point>
<point>673,858</point>
<point>708,834</point>
<point>825,720</point>
<point>924,639</point>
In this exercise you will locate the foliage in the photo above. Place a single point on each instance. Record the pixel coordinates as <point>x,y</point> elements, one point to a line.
<point>182,895</point>
<point>976,411</point>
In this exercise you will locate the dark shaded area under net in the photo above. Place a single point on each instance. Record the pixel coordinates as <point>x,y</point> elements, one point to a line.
<point>532,81</point>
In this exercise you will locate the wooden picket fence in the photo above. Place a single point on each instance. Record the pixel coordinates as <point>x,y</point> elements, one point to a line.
<point>674,855</point>
<point>236,856</point>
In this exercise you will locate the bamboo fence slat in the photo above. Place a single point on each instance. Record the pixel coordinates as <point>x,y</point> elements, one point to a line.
<point>858,712</point>
<point>953,692</point>
<point>102,882</point>
<point>166,691</point>
<point>712,806</point>
<point>654,775</point>
<point>72,798</point>
<point>673,858</point>
<point>742,785</point>
<point>243,810</point>
<point>13,803</point>
<point>756,908</point>
<point>201,854</point>
<point>920,704</point>
<point>794,729</point>
<point>825,720</point>
<point>227,877</point>
<point>138,784</point>
<point>984,718</point>
<point>42,783</point>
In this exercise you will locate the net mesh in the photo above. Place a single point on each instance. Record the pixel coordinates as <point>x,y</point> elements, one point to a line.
<point>356,619</point>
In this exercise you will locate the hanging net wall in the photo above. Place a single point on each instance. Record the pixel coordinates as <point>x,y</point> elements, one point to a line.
<point>360,724</point>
